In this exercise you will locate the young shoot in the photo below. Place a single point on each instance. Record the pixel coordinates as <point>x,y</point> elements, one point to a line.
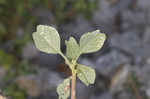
<point>47,40</point>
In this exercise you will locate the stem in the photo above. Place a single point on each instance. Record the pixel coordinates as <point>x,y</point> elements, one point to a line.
<point>65,58</point>
<point>73,86</point>
<point>72,67</point>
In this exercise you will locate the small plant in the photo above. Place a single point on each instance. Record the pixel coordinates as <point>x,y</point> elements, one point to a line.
<point>47,40</point>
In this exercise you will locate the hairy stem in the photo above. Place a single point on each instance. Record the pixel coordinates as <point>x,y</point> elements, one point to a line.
<point>73,86</point>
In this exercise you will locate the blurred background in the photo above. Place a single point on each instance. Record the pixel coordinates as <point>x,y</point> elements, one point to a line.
<point>122,65</point>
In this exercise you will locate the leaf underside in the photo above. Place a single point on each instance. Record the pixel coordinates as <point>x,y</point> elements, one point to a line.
<point>47,39</point>
<point>72,49</point>
<point>92,41</point>
<point>63,89</point>
<point>86,74</point>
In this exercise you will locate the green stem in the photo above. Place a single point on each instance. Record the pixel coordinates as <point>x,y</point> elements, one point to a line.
<point>66,60</point>
<point>72,67</point>
<point>73,84</point>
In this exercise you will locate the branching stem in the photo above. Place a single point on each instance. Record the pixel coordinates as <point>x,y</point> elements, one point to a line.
<point>72,67</point>
<point>65,58</point>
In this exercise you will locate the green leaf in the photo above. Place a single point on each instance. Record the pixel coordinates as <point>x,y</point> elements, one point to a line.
<point>63,89</point>
<point>73,49</point>
<point>92,41</point>
<point>47,39</point>
<point>86,74</point>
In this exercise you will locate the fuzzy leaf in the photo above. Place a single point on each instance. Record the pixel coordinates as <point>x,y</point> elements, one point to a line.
<point>63,89</point>
<point>86,74</point>
<point>73,49</point>
<point>92,41</point>
<point>47,39</point>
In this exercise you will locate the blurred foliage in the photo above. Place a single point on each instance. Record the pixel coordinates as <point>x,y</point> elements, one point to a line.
<point>65,10</point>
<point>6,59</point>
<point>13,92</point>
<point>25,68</point>
<point>15,13</point>
<point>11,89</point>
<point>18,14</point>
<point>16,24</point>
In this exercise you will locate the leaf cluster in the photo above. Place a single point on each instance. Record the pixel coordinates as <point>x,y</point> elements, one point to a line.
<point>47,40</point>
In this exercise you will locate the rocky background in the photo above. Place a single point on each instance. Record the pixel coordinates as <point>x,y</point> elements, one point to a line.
<point>122,65</point>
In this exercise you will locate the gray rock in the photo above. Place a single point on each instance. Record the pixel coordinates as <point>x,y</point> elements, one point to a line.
<point>148,60</point>
<point>148,92</point>
<point>39,83</point>
<point>49,60</point>
<point>107,63</point>
<point>142,73</point>
<point>29,51</point>
<point>147,15</point>
<point>146,37</point>
<point>119,78</point>
<point>29,84</point>
<point>131,43</point>
<point>44,16</point>
<point>105,16</point>
<point>76,29</point>
<point>83,92</point>
<point>126,41</point>
<point>144,4</point>
<point>133,20</point>
<point>87,62</point>
<point>82,26</point>
<point>124,95</point>
<point>20,32</point>
<point>105,95</point>
<point>3,72</point>
<point>48,79</point>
